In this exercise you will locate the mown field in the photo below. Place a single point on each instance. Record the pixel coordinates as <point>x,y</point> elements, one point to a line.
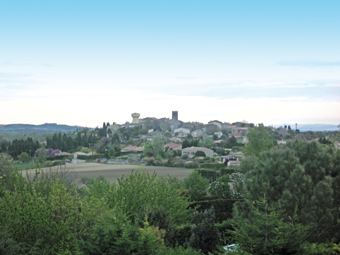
<point>112,172</point>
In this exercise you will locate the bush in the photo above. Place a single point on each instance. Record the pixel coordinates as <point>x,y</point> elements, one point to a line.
<point>24,157</point>
<point>204,234</point>
<point>180,250</point>
<point>60,157</point>
<point>185,156</point>
<point>214,166</point>
<point>150,162</point>
<point>200,154</point>
<point>191,164</point>
<point>197,185</point>
<point>137,194</point>
<point>88,157</point>
<point>45,216</point>
<point>220,188</point>
<point>114,234</point>
<point>208,174</point>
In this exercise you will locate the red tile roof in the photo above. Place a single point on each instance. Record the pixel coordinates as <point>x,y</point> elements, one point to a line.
<point>132,148</point>
<point>172,145</point>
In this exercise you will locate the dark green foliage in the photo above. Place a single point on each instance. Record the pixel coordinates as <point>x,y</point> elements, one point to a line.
<point>116,235</point>
<point>180,250</point>
<point>265,231</point>
<point>204,234</point>
<point>197,185</point>
<point>24,157</point>
<point>213,166</point>
<point>137,194</point>
<point>299,182</point>
<point>89,157</point>
<point>223,207</point>
<point>211,175</point>
<point>200,154</point>
<point>258,140</point>
<point>221,188</point>
<point>177,235</point>
<point>322,249</point>
<point>50,218</point>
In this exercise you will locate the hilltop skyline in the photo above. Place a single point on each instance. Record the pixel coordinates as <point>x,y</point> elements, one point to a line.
<point>81,62</point>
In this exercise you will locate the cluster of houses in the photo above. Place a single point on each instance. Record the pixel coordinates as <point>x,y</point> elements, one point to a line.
<point>175,132</point>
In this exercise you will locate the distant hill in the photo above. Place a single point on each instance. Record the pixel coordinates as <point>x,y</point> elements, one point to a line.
<point>39,129</point>
<point>313,127</point>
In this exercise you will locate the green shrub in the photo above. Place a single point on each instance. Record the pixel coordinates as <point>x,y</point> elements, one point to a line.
<point>220,188</point>
<point>211,175</point>
<point>50,222</point>
<point>213,166</point>
<point>114,234</point>
<point>137,194</point>
<point>185,156</point>
<point>200,154</point>
<point>24,157</point>
<point>204,234</point>
<point>89,157</point>
<point>181,250</point>
<point>197,185</point>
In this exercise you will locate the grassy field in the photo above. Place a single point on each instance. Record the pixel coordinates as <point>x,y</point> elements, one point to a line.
<point>112,172</point>
<point>25,166</point>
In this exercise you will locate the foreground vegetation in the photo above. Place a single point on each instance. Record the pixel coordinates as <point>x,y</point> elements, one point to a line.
<point>284,200</point>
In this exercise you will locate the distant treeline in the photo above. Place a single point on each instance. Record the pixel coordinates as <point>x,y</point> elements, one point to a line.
<point>39,129</point>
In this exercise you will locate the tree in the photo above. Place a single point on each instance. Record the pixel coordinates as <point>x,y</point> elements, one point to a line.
<point>232,140</point>
<point>206,142</point>
<point>42,154</point>
<point>24,157</point>
<point>204,234</point>
<point>197,185</point>
<point>154,148</point>
<point>297,181</point>
<point>115,150</point>
<point>264,231</point>
<point>258,140</point>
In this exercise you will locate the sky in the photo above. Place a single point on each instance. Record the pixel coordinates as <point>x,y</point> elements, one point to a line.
<point>88,62</point>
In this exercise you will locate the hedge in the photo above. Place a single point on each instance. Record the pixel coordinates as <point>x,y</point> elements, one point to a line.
<point>208,174</point>
<point>95,156</point>
<point>213,166</point>
<point>59,157</point>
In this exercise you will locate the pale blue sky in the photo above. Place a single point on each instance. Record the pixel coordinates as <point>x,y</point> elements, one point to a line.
<point>85,62</point>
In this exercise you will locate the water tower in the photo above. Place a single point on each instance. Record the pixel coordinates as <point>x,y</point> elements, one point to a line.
<point>135,118</point>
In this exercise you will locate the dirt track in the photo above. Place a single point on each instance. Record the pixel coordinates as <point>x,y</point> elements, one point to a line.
<point>112,172</point>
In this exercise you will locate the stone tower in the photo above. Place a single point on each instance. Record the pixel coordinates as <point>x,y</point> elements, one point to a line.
<point>175,115</point>
<point>135,118</point>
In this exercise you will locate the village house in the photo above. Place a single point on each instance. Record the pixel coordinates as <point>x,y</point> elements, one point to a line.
<point>174,146</point>
<point>217,123</point>
<point>197,133</point>
<point>131,148</point>
<point>190,151</point>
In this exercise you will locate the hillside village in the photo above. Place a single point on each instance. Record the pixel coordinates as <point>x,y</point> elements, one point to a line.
<point>155,141</point>
<point>211,170</point>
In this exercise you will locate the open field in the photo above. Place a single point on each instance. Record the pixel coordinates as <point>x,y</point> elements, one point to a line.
<point>112,172</point>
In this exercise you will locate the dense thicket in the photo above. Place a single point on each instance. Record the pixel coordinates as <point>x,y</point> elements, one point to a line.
<point>295,191</point>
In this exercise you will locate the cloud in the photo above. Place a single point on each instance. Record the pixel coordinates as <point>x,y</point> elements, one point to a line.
<point>309,63</point>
